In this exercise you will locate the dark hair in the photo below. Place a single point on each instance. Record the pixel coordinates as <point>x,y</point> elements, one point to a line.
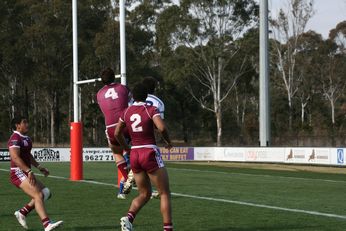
<point>150,83</point>
<point>17,120</point>
<point>139,92</point>
<point>107,76</point>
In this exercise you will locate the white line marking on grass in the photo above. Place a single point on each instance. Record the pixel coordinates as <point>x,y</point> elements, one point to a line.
<point>315,213</point>
<point>263,206</point>
<point>257,175</point>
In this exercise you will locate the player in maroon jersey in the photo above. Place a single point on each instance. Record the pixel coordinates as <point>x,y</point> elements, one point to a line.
<point>145,157</point>
<point>113,98</point>
<point>19,146</point>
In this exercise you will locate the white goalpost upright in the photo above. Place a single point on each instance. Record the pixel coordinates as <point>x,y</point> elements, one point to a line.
<point>122,42</point>
<point>76,133</point>
<point>264,111</point>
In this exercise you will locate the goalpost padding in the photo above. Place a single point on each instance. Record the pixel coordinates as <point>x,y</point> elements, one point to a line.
<point>120,175</point>
<point>76,151</point>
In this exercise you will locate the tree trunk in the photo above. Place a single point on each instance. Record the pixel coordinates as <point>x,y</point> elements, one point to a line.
<point>40,130</point>
<point>333,111</point>
<point>289,113</point>
<point>26,103</point>
<point>237,106</point>
<point>218,117</point>
<point>70,104</point>
<point>94,130</point>
<point>243,111</point>
<point>35,117</point>
<point>303,113</point>
<point>57,118</point>
<point>13,86</point>
<point>52,121</point>
<point>48,125</point>
<point>184,123</point>
<point>217,103</point>
<point>52,124</point>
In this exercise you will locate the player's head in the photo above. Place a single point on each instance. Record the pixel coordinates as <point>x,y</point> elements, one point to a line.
<point>150,83</point>
<point>20,124</point>
<point>107,76</point>
<point>139,92</point>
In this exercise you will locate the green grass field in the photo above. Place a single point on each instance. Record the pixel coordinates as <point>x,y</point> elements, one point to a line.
<point>211,198</point>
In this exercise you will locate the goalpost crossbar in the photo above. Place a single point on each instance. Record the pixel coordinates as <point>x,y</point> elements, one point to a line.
<point>93,80</point>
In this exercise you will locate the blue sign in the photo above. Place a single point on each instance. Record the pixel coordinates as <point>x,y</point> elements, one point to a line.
<point>340,156</point>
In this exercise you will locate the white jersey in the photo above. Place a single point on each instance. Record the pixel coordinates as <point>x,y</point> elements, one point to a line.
<point>152,100</point>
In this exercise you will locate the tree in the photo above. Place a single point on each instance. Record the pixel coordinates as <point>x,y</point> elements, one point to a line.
<point>338,35</point>
<point>13,64</point>
<point>332,76</point>
<point>209,30</point>
<point>287,29</point>
<point>49,47</point>
<point>308,49</point>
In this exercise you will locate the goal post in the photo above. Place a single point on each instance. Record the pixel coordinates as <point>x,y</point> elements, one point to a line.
<point>76,127</point>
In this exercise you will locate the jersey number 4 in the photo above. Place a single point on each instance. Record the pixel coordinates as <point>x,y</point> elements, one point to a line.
<point>136,119</point>
<point>111,93</point>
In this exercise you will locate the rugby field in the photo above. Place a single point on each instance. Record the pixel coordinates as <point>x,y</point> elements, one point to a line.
<point>205,197</point>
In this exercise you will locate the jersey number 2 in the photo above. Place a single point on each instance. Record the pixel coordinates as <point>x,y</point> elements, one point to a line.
<point>111,93</point>
<point>136,119</point>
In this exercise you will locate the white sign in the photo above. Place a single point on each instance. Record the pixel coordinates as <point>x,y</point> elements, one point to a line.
<point>264,154</point>
<point>324,156</point>
<point>234,154</point>
<point>308,155</point>
<point>51,154</point>
<point>204,153</point>
<point>97,154</point>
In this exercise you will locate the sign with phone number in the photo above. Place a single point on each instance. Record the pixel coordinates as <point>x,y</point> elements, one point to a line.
<point>104,154</point>
<point>97,154</point>
<point>98,157</point>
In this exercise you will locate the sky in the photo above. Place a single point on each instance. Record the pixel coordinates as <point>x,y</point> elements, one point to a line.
<point>328,13</point>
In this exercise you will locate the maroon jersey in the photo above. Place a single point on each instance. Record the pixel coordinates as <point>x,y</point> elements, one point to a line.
<point>113,99</point>
<point>139,120</point>
<point>24,143</point>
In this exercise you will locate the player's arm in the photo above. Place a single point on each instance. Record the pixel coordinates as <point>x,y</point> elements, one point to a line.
<point>129,97</point>
<point>161,127</point>
<point>119,135</point>
<point>162,110</point>
<point>15,157</point>
<point>44,171</point>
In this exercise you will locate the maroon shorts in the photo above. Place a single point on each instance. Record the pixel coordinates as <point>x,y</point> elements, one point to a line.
<point>145,159</point>
<point>110,136</point>
<point>17,176</point>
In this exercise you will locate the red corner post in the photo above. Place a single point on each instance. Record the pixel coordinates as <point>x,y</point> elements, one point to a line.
<point>76,151</point>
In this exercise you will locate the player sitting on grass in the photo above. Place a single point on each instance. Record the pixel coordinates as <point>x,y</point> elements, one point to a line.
<point>20,146</point>
<point>145,157</point>
<point>113,98</point>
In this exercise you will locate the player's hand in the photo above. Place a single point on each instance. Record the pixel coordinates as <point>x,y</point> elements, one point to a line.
<point>44,171</point>
<point>126,156</point>
<point>127,149</point>
<point>32,178</point>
